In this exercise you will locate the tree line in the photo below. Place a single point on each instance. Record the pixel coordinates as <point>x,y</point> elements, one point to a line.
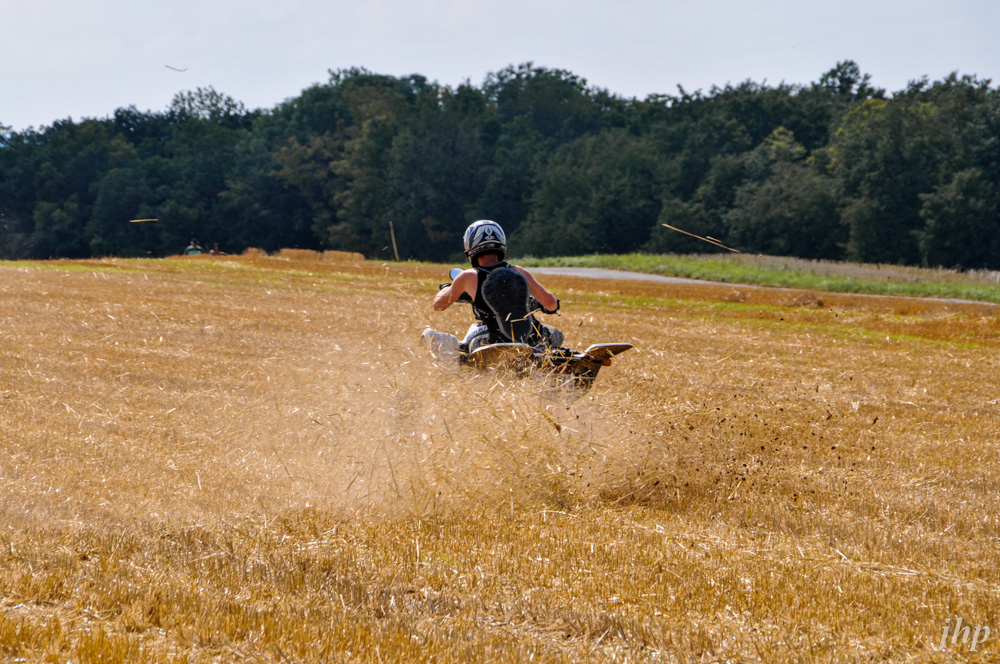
<point>835,169</point>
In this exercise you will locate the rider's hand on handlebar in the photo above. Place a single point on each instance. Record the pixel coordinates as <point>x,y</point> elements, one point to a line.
<point>535,305</point>
<point>464,297</point>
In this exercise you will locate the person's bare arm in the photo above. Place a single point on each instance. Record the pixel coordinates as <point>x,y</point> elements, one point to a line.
<point>464,283</point>
<point>549,301</point>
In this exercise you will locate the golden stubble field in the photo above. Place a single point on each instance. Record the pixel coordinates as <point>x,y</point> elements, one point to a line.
<point>254,459</point>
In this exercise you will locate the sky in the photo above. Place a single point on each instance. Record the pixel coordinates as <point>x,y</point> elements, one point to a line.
<point>68,59</point>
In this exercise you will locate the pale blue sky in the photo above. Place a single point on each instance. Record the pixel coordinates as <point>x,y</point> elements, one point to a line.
<point>69,59</point>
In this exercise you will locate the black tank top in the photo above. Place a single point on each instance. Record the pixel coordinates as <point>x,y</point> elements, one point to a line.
<point>480,308</point>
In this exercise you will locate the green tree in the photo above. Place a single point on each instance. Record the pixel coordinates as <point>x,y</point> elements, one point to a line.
<point>511,175</point>
<point>282,186</point>
<point>885,154</point>
<point>436,172</point>
<point>889,154</point>
<point>792,213</point>
<point>209,105</point>
<point>363,199</point>
<point>556,104</point>
<point>573,167</point>
<point>18,161</point>
<point>788,207</point>
<point>307,167</point>
<point>596,194</point>
<point>847,82</point>
<point>534,110</point>
<point>57,229</point>
<point>962,222</point>
<point>344,176</point>
<point>13,236</point>
<point>689,216</point>
<point>264,210</point>
<point>122,195</point>
<point>200,157</point>
<point>68,159</point>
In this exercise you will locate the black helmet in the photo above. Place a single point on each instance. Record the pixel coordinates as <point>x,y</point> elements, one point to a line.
<point>484,236</point>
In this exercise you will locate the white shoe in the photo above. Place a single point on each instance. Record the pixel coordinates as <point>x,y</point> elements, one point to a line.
<point>443,346</point>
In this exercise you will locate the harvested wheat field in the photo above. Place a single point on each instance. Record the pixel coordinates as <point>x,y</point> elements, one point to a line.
<point>255,459</point>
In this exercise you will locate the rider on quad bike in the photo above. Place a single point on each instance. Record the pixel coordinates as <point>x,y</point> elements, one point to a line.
<point>502,296</point>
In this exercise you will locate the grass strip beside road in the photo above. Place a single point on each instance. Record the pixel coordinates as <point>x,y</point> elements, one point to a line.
<point>826,276</point>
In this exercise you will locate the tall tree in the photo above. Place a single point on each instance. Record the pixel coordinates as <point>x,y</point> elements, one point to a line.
<point>887,153</point>
<point>962,222</point>
<point>535,110</point>
<point>201,154</point>
<point>789,206</point>
<point>69,158</point>
<point>597,194</point>
<point>810,170</point>
<point>436,172</point>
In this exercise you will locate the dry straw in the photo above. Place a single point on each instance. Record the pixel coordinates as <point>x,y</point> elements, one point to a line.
<point>239,459</point>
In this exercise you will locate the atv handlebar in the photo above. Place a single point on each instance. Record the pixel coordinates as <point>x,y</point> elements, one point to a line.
<point>535,305</point>
<point>464,297</point>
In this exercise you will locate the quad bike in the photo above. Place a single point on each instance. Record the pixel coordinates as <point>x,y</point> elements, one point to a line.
<point>519,351</point>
